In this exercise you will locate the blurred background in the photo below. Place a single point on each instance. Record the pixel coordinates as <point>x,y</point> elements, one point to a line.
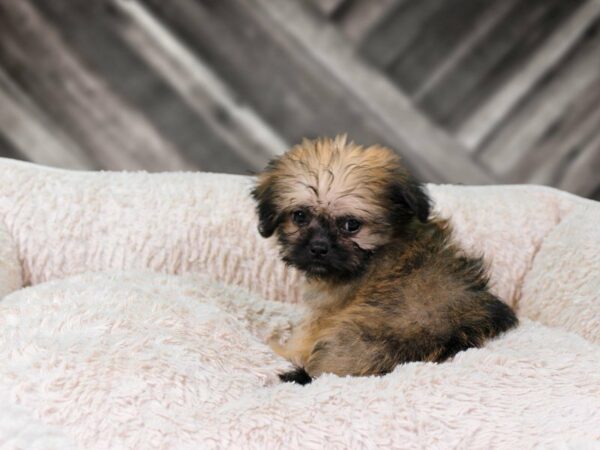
<point>467,91</point>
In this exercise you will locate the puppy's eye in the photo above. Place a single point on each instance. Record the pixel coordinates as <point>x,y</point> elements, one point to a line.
<point>300,217</point>
<point>350,226</point>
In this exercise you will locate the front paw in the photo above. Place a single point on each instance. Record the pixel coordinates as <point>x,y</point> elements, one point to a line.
<point>298,375</point>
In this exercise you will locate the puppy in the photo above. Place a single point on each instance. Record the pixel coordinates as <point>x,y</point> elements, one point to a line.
<point>386,284</point>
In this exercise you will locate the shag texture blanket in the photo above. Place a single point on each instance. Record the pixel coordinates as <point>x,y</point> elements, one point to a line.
<point>135,309</point>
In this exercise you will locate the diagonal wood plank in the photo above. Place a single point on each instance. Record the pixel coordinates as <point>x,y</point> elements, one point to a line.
<point>395,32</point>
<point>547,161</point>
<point>270,71</point>
<point>32,135</point>
<point>483,120</point>
<point>493,60</point>
<point>109,131</point>
<point>361,16</point>
<point>511,149</point>
<point>94,34</point>
<point>8,150</point>
<point>245,132</point>
<point>329,7</point>
<point>450,55</point>
<point>425,145</point>
<point>583,174</point>
<point>290,87</point>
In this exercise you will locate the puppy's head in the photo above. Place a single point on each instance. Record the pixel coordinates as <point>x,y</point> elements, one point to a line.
<point>333,204</point>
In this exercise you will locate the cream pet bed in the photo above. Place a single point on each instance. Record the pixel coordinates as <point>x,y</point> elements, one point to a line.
<point>135,308</point>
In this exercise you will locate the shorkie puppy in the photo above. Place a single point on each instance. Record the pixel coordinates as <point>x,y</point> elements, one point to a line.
<point>386,284</point>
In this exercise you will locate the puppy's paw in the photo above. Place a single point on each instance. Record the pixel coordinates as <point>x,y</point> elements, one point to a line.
<point>298,375</point>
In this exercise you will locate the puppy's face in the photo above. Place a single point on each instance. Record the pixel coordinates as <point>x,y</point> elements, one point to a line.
<point>333,204</point>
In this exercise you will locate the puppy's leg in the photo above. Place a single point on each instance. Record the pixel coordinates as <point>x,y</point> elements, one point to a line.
<point>344,351</point>
<point>299,376</point>
<point>340,349</point>
<point>329,357</point>
<point>296,350</point>
<point>360,351</point>
<point>297,347</point>
<point>277,347</point>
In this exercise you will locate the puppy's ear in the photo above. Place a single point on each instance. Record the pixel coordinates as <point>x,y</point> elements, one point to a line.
<point>268,218</point>
<point>411,197</point>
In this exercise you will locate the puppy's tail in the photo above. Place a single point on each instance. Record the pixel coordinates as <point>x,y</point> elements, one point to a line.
<point>298,375</point>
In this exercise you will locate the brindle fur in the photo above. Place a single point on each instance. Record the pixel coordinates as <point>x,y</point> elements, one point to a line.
<point>398,290</point>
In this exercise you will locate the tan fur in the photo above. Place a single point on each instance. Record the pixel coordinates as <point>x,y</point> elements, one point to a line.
<point>412,293</point>
<point>338,178</point>
<point>434,302</point>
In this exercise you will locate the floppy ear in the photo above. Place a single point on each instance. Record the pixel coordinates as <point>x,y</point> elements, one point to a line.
<point>268,219</point>
<point>410,195</point>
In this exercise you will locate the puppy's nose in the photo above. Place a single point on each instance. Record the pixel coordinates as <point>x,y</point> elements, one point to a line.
<point>319,248</point>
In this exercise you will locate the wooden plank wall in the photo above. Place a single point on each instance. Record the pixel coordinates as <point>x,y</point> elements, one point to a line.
<point>471,91</point>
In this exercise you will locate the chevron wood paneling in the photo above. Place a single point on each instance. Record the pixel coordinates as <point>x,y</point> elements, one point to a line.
<point>467,91</point>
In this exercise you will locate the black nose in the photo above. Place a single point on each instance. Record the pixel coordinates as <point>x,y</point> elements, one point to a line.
<point>319,248</point>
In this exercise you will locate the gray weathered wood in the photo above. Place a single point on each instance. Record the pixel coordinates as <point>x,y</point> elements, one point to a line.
<point>245,132</point>
<point>583,174</point>
<point>93,32</point>
<point>114,135</point>
<point>397,30</point>
<point>488,116</point>
<point>28,132</point>
<point>268,68</point>
<point>493,60</point>
<point>362,15</point>
<point>224,85</point>
<point>483,24</point>
<point>329,7</point>
<point>436,38</point>
<point>7,149</point>
<point>519,137</point>
<point>552,156</point>
<point>378,97</point>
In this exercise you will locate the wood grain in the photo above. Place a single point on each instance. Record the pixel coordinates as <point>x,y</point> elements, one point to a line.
<point>468,91</point>
<point>29,134</point>
<point>521,147</point>
<point>486,118</point>
<point>41,63</point>
<point>377,97</point>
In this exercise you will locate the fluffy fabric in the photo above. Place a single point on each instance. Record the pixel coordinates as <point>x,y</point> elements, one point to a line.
<point>102,351</point>
<point>10,268</point>
<point>562,289</point>
<point>65,223</point>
